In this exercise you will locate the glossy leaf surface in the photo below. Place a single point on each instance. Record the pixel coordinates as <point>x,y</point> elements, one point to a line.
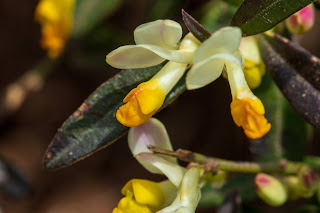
<point>93,125</point>
<point>257,16</point>
<point>302,95</point>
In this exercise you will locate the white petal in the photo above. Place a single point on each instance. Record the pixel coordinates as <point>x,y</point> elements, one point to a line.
<point>158,165</point>
<point>132,57</point>
<point>250,49</point>
<point>145,55</point>
<point>163,33</point>
<point>189,192</point>
<point>239,55</point>
<point>169,190</point>
<point>208,70</point>
<point>178,56</point>
<point>225,40</point>
<point>188,195</point>
<point>152,132</point>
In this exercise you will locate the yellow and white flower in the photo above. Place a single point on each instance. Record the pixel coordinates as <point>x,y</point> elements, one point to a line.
<point>56,19</point>
<point>217,52</point>
<point>254,67</point>
<point>155,42</point>
<point>180,193</point>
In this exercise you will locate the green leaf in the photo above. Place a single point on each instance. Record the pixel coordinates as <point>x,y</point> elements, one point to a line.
<point>302,61</point>
<point>89,13</point>
<point>302,96</point>
<point>93,125</point>
<point>195,27</point>
<point>257,16</point>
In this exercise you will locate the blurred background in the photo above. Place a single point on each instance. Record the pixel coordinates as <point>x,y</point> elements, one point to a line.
<point>199,120</point>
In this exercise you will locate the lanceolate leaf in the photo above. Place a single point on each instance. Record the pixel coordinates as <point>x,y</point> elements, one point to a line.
<point>93,125</point>
<point>257,16</point>
<point>306,64</point>
<point>89,13</point>
<point>194,27</point>
<point>303,97</point>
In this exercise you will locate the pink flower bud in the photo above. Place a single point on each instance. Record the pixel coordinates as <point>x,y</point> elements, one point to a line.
<point>308,182</point>
<point>270,190</point>
<point>301,21</point>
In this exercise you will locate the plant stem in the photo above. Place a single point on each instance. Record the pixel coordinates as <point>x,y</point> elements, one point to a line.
<point>282,166</point>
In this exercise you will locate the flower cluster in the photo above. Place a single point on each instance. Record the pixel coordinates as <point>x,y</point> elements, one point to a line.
<point>155,42</point>
<point>217,52</point>
<point>158,41</point>
<point>180,193</point>
<point>56,17</point>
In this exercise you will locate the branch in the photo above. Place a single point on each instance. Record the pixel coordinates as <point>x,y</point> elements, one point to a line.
<point>282,166</point>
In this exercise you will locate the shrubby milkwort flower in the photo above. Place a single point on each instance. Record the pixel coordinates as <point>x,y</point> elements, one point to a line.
<point>56,18</point>
<point>254,67</point>
<point>180,193</point>
<point>217,52</point>
<point>155,42</point>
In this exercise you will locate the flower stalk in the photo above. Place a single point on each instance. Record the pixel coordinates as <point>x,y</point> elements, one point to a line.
<point>283,166</point>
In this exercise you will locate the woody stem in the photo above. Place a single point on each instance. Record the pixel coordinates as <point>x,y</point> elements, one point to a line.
<point>283,166</point>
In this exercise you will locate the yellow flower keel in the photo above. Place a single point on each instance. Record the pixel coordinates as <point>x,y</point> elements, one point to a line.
<point>141,103</point>
<point>142,196</point>
<point>56,18</point>
<point>249,114</point>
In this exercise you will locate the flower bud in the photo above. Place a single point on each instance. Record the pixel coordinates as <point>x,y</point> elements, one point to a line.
<point>301,21</point>
<point>270,190</point>
<point>308,182</point>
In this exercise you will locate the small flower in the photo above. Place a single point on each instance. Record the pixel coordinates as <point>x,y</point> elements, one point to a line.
<point>180,193</point>
<point>141,196</point>
<point>56,17</point>
<point>254,67</point>
<point>301,21</point>
<point>246,109</point>
<point>156,42</point>
<point>216,52</point>
<point>308,182</point>
<point>270,190</point>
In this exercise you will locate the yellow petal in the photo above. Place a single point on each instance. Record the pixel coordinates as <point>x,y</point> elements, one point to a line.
<point>162,33</point>
<point>145,192</point>
<point>127,205</point>
<point>249,114</point>
<point>56,17</point>
<point>253,76</point>
<point>142,103</point>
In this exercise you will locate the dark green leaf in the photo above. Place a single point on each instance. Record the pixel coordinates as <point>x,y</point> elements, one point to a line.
<point>89,13</point>
<point>194,27</point>
<point>306,64</point>
<point>303,97</point>
<point>93,125</point>
<point>257,16</point>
